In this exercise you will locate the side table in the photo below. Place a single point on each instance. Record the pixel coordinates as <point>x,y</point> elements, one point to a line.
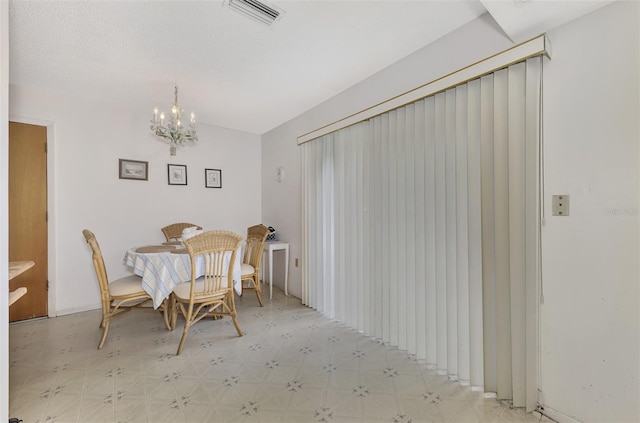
<point>269,248</point>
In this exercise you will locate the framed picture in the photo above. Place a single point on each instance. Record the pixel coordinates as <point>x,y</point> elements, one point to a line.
<point>133,169</point>
<point>213,178</point>
<point>177,174</point>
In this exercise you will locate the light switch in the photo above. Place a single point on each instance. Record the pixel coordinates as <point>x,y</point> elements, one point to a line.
<point>560,205</point>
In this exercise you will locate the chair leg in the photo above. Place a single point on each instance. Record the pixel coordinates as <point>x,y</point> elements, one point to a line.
<point>187,325</point>
<point>105,331</point>
<point>166,312</point>
<point>105,318</point>
<point>256,285</point>
<point>232,312</point>
<point>235,323</point>
<point>173,312</point>
<point>188,315</point>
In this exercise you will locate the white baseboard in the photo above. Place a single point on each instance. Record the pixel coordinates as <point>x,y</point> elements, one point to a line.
<point>555,414</point>
<point>74,310</point>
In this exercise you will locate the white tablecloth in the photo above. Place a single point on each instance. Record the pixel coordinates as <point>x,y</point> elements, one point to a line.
<point>161,272</point>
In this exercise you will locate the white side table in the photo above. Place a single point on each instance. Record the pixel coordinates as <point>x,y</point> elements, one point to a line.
<point>270,247</point>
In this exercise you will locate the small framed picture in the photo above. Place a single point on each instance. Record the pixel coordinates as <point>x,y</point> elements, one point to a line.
<point>133,169</point>
<point>213,178</point>
<point>177,174</point>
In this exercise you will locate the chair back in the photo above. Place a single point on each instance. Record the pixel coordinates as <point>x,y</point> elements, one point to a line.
<point>219,251</point>
<point>174,231</point>
<point>256,237</point>
<point>100,268</point>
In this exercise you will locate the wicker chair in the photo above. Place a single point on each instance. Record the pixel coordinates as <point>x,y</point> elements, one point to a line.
<point>174,231</point>
<point>256,237</point>
<point>211,294</point>
<point>119,296</point>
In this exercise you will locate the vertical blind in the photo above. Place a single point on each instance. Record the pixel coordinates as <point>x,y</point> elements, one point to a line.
<point>421,229</point>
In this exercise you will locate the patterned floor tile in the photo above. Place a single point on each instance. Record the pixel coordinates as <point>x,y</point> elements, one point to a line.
<point>132,410</point>
<point>95,408</point>
<point>291,365</point>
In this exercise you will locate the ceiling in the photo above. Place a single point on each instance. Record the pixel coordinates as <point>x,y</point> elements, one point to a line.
<point>233,71</point>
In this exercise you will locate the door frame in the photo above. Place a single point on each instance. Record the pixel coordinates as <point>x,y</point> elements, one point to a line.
<point>51,215</point>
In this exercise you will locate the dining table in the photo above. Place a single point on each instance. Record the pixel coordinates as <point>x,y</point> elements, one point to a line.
<point>164,266</point>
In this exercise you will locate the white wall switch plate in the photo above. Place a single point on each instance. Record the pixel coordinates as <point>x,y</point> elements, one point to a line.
<point>560,205</point>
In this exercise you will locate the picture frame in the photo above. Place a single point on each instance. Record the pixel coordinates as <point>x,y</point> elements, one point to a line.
<point>213,178</point>
<point>133,169</point>
<point>177,174</point>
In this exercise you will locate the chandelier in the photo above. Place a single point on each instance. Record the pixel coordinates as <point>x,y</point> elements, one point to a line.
<point>173,130</point>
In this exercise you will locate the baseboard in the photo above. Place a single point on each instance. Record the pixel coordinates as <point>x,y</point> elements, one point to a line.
<point>555,414</point>
<point>75,310</point>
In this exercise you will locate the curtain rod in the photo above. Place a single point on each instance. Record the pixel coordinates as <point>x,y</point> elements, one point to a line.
<point>534,47</point>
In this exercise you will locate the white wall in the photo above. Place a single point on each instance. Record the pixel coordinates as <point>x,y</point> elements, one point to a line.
<point>86,140</point>
<point>589,319</point>
<point>591,258</point>
<point>4,209</point>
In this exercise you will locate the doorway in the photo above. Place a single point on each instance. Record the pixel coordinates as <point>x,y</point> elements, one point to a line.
<point>28,225</point>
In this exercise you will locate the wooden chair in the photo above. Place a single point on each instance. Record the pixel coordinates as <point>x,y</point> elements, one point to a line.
<point>256,237</point>
<point>174,231</point>
<point>119,296</point>
<point>211,294</point>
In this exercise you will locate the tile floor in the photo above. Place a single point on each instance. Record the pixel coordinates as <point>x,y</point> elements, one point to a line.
<point>292,365</point>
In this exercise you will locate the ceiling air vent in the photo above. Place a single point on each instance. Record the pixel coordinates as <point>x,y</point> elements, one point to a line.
<point>261,12</point>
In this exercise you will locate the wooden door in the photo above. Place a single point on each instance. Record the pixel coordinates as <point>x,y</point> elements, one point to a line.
<point>28,217</point>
